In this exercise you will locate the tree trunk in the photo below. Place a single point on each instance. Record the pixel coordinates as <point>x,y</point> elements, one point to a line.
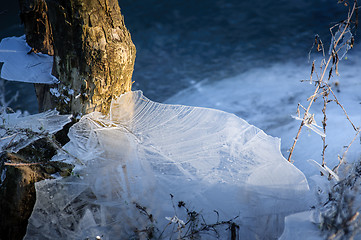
<point>93,51</point>
<point>34,16</point>
<point>93,60</point>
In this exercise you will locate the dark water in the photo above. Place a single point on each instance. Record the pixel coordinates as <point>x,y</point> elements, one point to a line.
<point>180,43</point>
<point>10,25</point>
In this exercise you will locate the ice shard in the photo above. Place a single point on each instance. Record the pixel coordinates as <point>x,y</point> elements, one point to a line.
<point>23,65</point>
<point>145,158</point>
<point>17,131</point>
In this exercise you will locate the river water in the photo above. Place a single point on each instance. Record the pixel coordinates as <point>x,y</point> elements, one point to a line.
<point>244,57</point>
<point>180,43</point>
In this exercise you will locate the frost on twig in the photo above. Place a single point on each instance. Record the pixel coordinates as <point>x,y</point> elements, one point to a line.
<point>341,41</point>
<point>310,122</point>
<point>324,169</point>
<point>340,214</point>
<point>177,221</point>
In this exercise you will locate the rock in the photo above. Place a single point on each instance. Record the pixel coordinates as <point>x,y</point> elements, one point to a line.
<point>17,191</point>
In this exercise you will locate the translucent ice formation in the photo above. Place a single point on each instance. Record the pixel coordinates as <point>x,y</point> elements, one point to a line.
<point>301,226</point>
<point>17,131</point>
<point>20,64</point>
<point>143,153</point>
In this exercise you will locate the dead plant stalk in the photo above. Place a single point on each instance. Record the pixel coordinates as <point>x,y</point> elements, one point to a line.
<point>320,80</point>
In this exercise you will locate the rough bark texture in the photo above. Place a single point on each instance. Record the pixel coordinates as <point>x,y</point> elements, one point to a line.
<point>94,53</point>
<point>33,14</point>
<point>93,59</point>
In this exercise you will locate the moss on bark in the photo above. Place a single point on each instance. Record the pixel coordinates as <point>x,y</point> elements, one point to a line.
<point>94,54</point>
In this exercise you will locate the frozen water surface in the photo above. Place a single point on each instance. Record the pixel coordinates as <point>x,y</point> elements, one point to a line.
<point>268,97</point>
<point>144,151</point>
<point>301,226</point>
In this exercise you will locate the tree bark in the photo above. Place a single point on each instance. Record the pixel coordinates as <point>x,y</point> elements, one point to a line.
<point>34,16</point>
<point>93,51</point>
<point>93,59</point>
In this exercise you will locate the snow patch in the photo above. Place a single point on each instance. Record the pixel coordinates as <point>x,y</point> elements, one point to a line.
<point>55,92</point>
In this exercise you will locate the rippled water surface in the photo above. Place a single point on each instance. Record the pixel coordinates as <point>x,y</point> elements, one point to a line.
<point>180,43</point>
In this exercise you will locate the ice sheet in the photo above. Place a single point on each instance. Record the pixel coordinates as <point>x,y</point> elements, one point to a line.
<point>268,97</point>
<point>144,151</point>
<point>300,226</point>
<point>17,131</point>
<point>22,65</point>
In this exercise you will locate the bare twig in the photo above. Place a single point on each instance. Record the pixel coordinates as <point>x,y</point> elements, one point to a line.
<point>343,109</point>
<point>324,68</point>
<point>21,164</point>
<point>342,159</point>
<point>324,124</point>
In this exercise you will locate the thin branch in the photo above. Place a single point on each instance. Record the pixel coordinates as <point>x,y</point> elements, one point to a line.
<point>21,164</point>
<point>313,97</point>
<point>342,159</point>
<point>324,124</point>
<point>343,109</point>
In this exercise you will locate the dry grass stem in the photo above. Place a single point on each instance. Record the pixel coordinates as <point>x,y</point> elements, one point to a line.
<point>343,109</point>
<point>342,159</point>
<point>327,66</point>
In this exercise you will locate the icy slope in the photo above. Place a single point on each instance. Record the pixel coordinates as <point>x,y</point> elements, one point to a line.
<point>143,152</point>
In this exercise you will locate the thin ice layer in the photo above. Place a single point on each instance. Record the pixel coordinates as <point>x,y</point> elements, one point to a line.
<point>22,65</point>
<point>17,131</point>
<point>144,151</point>
<point>300,226</point>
